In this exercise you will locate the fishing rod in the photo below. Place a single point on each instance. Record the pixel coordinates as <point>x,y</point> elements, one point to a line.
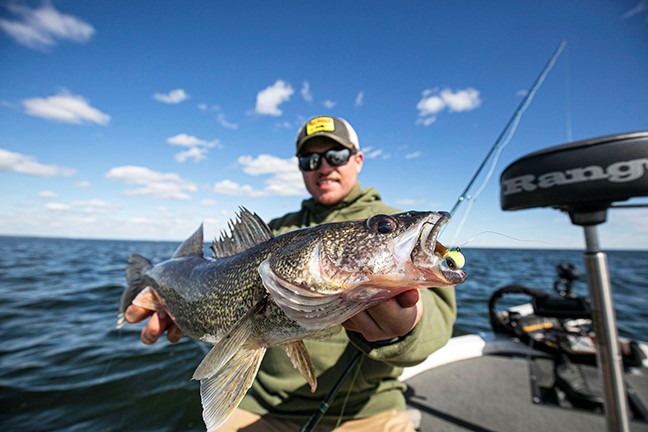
<point>514,118</point>
<point>324,406</point>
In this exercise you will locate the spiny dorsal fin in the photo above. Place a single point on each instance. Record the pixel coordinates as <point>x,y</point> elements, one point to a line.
<point>245,231</point>
<point>192,246</point>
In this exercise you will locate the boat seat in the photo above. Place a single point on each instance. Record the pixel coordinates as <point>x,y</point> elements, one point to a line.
<point>585,176</point>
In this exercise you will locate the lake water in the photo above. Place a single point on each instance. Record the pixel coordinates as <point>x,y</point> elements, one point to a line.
<point>64,366</point>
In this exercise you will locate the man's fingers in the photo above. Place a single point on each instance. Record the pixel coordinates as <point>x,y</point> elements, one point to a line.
<point>154,328</point>
<point>157,325</point>
<point>136,314</point>
<point>364,324</point>
<point>174,334</point>
<point>392,318</point>
<point>407,299</point>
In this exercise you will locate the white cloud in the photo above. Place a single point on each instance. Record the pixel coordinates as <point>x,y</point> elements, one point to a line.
<point>426,121</point>
<point>306,92</point>
<point>434,101</point>
<point>269,99</point>
<point>373,154</point>
<point>187,140</point>
<point>285,178</point>
<point>83,184</point>
<point>220,118</point>
<point>43,27</point>
<point>94,206</point>
<point>195,153</point>
<point>197,148</point>
<point>65,107</point>
<point>430,103</point>
<point>208,202</point>
<point>359,100</point>
<point>413,155</point>
<point>173,97</point>
<point>96,203</point>
<point>55,206</point>
<point>228,187</point>
<point>160,185</point>
<point>462,100</point>
<point>23,164</point>
<point>268,164</point>
<point>328,104</point>
<point>47,194</point>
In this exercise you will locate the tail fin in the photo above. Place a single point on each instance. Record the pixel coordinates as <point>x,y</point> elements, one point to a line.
<point>137,266</point>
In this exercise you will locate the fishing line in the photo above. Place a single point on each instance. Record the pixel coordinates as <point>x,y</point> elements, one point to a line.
<point>508,236</point>
<point>498,152</point>
<point>324,405</point>
<point>510,127</point>
<point>346,399</point>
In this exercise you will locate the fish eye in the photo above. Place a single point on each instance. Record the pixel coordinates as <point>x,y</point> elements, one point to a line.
<point>382,224</point>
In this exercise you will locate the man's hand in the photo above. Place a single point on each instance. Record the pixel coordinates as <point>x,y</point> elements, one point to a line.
<point>156,326</point>
<point>395,317</point>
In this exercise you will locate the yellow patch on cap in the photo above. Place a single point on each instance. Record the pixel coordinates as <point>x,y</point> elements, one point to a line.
<point>320,124</point>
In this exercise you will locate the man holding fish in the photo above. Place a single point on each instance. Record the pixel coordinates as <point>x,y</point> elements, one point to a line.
<point>397,325</point>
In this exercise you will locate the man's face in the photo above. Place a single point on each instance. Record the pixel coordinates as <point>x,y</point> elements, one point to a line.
<point>330,184</point>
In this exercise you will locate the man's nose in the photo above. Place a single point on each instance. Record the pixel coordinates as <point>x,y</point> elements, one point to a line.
<point>325,167</point>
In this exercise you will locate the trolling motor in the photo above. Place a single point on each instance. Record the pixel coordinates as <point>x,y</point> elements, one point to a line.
<point>584,179</point>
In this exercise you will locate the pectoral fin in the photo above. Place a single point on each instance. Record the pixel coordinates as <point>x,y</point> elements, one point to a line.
<point>222,393</point>
<point>229,344</point>
<point>223,351</point>
<point>302,362</point>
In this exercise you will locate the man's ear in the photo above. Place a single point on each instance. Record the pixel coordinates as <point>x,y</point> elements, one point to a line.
<point>359,157</point>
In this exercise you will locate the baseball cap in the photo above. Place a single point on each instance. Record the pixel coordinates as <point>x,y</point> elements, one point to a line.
<point>334,128</point>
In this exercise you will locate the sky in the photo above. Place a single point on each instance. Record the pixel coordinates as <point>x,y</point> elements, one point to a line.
<point>142,119</point>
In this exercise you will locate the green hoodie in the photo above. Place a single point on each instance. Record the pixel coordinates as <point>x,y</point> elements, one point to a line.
<point>359,204</point>
<point>279,389</point>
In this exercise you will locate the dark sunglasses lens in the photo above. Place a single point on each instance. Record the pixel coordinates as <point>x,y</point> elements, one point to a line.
<point>312,161</point>
<point>309,162</point>
<point>337,157</point>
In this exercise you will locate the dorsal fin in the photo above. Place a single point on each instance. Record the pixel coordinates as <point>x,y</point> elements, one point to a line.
<point>192,246</point>
<point>245,231</point>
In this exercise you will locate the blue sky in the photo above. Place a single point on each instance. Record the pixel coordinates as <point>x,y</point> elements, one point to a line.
<point>142,119</point>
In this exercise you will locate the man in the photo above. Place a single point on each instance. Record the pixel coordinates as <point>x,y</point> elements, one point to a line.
<point>400,332</point>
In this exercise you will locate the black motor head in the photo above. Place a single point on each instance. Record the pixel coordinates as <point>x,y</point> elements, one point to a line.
<point>583,178</point>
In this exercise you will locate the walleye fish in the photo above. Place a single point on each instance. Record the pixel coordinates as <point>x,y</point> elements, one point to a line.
<point>259,290</point>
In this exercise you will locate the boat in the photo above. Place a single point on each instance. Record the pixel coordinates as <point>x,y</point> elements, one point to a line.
<point>555,363</point>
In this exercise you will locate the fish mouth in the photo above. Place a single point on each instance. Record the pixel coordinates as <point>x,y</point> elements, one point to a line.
<point>429,254</point>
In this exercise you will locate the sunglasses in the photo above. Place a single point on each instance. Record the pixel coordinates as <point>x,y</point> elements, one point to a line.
<point>334,157</point>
